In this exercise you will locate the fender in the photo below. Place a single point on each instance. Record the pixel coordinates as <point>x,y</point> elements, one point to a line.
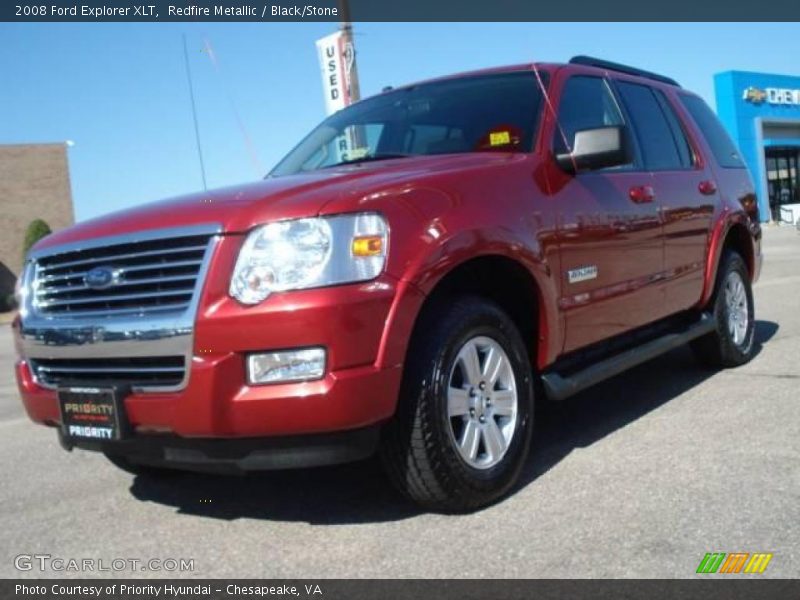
<point>427,269</point>
<point>719,232</point>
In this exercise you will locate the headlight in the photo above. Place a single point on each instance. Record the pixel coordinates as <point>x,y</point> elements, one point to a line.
<point>305,253</point>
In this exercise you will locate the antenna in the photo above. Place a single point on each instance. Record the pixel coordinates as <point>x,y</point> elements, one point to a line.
<point>248,142</point>
<point>194,114</point>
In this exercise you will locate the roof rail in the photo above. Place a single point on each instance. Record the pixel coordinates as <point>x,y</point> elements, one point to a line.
<point>612,66</point>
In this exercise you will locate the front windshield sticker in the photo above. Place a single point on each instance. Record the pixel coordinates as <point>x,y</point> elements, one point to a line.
<point>503,137</point>
<point>499,138</point>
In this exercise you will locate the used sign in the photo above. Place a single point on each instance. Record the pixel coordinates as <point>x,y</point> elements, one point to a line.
<point>333,62</point>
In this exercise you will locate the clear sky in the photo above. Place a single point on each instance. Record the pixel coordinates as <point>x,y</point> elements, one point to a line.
<point>119,91</point>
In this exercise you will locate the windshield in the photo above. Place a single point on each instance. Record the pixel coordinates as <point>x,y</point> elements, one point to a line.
<point>471,114</point>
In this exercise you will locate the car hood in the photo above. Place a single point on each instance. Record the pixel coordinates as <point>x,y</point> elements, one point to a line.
<point>239,208</point>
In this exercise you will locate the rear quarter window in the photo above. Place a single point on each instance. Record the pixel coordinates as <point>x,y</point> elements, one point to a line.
<point>722,146</point>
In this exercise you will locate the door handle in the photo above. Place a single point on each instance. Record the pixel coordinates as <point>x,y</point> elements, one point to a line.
<point>707,187</point>
<point>642,193</point>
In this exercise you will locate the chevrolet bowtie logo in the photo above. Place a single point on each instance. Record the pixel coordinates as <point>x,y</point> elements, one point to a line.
<point>754,95</point>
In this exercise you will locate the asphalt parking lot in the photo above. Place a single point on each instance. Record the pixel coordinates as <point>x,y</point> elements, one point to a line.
<point>637,477</point>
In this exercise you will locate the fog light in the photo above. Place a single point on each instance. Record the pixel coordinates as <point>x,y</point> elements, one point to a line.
<point>286,365</point>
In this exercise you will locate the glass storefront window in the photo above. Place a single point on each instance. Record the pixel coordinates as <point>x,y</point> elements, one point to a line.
<point>782,178</point>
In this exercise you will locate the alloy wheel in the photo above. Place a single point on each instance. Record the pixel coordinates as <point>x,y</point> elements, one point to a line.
<point>738,308</point>
<point>482,402</point>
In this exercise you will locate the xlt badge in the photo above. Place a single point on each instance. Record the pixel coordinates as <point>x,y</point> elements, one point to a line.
<point>582,274</point>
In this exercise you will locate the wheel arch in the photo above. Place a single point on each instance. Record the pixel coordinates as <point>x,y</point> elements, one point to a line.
<point>503,279</point>
<point>729,234</point>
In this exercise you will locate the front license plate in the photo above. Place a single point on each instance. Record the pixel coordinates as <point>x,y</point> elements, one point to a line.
<point>91,413</point>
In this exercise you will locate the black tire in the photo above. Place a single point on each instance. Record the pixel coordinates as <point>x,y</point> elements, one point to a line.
<point>720,348</point>
<point>419,449</point>
<point>124,464</point>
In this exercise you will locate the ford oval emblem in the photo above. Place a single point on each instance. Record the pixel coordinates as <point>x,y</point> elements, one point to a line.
<point>100,278</point>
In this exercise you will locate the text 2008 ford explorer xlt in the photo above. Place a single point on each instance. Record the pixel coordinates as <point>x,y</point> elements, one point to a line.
<point>423,267</point>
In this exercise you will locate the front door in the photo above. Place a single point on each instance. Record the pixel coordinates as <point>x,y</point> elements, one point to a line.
<point>610,234</point>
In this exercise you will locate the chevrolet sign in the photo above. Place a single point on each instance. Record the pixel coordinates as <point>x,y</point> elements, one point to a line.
<point>772,96</point>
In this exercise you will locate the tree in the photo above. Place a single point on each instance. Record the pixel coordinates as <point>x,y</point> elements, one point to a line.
<point>36,231</point>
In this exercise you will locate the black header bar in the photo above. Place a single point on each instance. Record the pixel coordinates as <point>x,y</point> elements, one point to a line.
<point>395,10</point>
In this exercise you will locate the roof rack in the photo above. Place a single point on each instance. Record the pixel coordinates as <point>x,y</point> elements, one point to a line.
<point>612,66</point>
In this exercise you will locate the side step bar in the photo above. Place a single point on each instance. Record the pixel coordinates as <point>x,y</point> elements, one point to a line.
<point>558,388</point>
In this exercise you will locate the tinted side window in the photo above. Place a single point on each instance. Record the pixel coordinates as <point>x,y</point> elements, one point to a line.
<point>586,103</point>
<point>656,140</point>
<point>722,146</point>
<point>678,134</point>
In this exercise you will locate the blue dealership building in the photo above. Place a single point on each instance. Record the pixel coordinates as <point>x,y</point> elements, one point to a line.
<point>761,112</point>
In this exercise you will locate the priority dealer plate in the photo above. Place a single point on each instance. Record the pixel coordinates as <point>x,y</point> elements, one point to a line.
<point>92,413</point>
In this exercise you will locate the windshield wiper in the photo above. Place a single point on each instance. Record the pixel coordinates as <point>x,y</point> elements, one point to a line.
<point>370,158</point>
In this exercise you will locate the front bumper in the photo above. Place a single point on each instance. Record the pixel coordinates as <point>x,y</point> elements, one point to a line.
<point>216,402</point>
<point>364,328</point>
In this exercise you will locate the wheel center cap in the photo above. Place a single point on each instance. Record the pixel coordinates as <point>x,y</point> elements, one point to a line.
<point>479,402</point>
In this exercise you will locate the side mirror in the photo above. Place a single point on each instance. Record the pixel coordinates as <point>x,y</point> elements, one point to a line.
<point>594,149</point>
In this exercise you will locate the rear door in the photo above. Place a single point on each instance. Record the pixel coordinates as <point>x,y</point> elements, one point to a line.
<point>610,235</point>
<point>683,187</point>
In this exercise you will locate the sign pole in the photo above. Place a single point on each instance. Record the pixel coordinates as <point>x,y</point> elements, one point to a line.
<point>346,28</point>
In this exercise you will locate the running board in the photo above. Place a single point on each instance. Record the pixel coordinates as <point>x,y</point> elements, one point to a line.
<point>558,388</point>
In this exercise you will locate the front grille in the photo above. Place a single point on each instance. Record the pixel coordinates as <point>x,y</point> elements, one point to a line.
<point>148,276</point>
<point>156,371</point>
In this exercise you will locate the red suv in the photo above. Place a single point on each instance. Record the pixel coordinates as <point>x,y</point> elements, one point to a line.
<point>421,268</point>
